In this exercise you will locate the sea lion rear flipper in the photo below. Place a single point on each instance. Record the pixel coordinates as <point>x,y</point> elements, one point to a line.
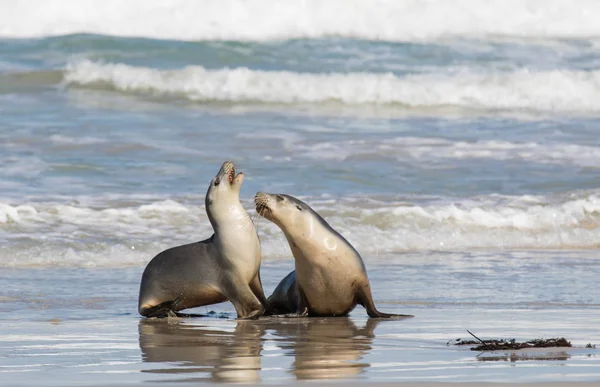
<point>364,298</point>
<point>162,310</point>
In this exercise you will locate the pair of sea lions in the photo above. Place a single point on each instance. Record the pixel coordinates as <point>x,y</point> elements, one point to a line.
<point>330,277</point>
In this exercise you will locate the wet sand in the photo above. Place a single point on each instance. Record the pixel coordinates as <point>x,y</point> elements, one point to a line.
<point>129,350</point>
<point>329,349</point>
<point>74,327</point>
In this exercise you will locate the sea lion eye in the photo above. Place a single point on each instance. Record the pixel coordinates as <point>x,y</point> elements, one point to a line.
<point>217,181</point>
<point>280,198</point>
<point>298,207</point>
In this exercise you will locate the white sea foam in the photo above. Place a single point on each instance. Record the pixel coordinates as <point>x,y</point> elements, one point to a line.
<point>68,235</point>
<point>30,166</point>
<point>433,150</point>
<point>9,213</point>
<point>49,234</point>
<point>421,151</point>
<point>409,20</point>
<point>559,90</point>
<point>65,140</point>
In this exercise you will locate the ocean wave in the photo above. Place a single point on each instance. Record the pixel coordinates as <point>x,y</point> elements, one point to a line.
<point>495,221</point>
<point>559,90</point>
<point>432,150</point>
<point>69,235</point>
<point>259,20</point>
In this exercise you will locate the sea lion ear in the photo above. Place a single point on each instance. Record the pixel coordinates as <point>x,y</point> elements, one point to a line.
<point>298,207</point>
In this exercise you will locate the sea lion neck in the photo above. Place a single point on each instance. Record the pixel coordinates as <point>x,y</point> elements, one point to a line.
<point>229,218</point>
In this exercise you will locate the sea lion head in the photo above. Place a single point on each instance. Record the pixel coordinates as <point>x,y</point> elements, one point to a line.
<point>285,211</point>
<point>224,187</point>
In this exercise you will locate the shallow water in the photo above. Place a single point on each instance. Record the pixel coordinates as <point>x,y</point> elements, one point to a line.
<point>456,147</point>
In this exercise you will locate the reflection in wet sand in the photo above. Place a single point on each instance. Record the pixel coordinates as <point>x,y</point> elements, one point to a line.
<point>516,356</point>
<point>328,348</point>
<point>227,356</point>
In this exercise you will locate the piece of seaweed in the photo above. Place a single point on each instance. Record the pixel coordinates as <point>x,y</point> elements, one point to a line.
<point>511,344</point>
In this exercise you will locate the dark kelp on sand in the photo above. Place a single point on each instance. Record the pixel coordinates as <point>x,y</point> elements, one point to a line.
<point>510,344</point>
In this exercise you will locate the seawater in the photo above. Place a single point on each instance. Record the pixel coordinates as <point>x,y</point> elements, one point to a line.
<point>455,146</point>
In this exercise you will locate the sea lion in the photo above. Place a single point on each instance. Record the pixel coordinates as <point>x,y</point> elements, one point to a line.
<point>222,267</point>
<point>331,278</point>
<point>285,296</point>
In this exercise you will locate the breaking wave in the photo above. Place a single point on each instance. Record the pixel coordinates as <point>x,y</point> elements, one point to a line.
<point>68,235</point>
<point>557,90</point>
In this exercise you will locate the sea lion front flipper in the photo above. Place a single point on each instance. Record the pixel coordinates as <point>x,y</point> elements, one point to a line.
<point>246,304</point>
<point>257,289</point>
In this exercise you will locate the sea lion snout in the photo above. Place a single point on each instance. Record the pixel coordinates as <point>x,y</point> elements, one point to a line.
<point>261,201</point>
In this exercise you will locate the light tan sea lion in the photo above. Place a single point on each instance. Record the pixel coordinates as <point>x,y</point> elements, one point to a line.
<point>330,276</point>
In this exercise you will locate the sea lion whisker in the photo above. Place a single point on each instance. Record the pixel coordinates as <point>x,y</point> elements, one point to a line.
<point>251,220</point>
<point>256,219</point>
